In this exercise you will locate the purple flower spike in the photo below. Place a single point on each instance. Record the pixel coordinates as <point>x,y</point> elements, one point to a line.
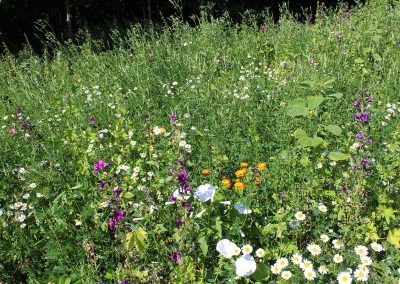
<point>182,177</point>
<point>357,104</point>
<point>91,119</point>
<point>369,99</point>
<point>369,141</point>
<point>100,165</point>
<point>175,256</point>
<point>102,184</point>
<point>362,117</point>
<point>360,136</point>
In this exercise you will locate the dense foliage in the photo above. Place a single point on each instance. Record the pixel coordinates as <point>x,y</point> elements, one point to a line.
<point>213,154</point>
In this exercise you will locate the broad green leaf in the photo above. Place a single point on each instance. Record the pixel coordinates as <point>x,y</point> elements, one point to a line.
<point>300,133</point>
<point>128,195</point>
<point>203,244</point>
<point>310,141</point>
<point>261,272</point>
<point>334,129</point>
<point>377,57</point>
<point>79,185</point>
<point>297,103</point>
<point>159,229</point>
<point>333,94</point>
<point>137,239</point>
<point>314,101</point>
<point>294,111</point>
<point>338,156</point>
<point>394,237</point>
<point>307,84</point>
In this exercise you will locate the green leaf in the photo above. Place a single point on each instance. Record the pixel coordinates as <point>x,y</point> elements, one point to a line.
<point>153,163</point>
<point>338,156</point>
<point>314,101</point>
<point>332,94</point>
<point>294,111</point>
<point>137,239</point>
<point>128,195</point>
<point>297,103</point>
<point>377,57</point>
<point>203,244</point>
<point>334,129</point>
<point>79,185</point>
<point>310,141</point>
<point>394,237</point>
<point>298,133</point>
<point>160,229</point>
<point>261,272</point>
<point>359,61</point>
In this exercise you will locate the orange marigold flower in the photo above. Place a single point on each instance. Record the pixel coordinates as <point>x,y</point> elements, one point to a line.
<point>244,164</point>
<point>205,172</point>
<point>261,166</point>
<point>226,182</point>
<point>240,173</point>
<point>240,185</point>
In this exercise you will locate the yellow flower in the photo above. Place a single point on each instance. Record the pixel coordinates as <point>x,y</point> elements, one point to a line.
<point>205,172</point>
<point>261,166</point>
<point>257,181</point>
<point>240,173</point>
<point>226,182</point>
<point>244,164</point>
<point>163,130</point>
<point>240,185</point>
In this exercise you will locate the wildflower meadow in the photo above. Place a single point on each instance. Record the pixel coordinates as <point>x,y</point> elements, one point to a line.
<point>220,153</point>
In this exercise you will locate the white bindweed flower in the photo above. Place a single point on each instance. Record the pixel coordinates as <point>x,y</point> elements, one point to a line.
<point>344,278</point>
<point>247,249</point>
<point>296,259</point>
<point>245,265</point>
<point>205,192</point>
<point>260,253</point>
<point>337,258</point>
<point>201,213</point>
<point>32,185</point>
<point>241,209</point>
<point>286,275</point>
<point>361,250</point>
<point>324,238</point>
<point>300,216</point>
<point>226,248</point>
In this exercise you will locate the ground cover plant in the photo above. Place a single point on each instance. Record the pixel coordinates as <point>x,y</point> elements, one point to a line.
<point>208,154</point>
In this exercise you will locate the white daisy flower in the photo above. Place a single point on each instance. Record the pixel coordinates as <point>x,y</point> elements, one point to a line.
<point>323,269</point>
<point>275,269</point>
<point>365,260</point>
<point>337,244</point>
<point>286,275</point>
<point>344,278</point>
<point>322,208</point>
<point>306,265</point>
<point>236,251</point>
<point>377,247</point>
<point>361,275</point>
<point>309,274</point>
<point>324,238</point>
<point>361,250</point>
<point>297,259</point>
<point>300,216</point>
<point>337,258</point>
<point>260,253</point>
<point>294,223</point>
<point>247,249</point>
<point>314,249</point>
<point>282,262</point>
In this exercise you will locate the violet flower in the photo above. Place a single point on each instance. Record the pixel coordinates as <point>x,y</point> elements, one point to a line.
<point>357,104</point>
<point>178,222</point>
<point>175,256</point>
<point>369,99</point>
<point>182,177</point>
<point>91,119</point>
<point>100,165</point>
<point>360,136</point>
<point>173,117</point>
